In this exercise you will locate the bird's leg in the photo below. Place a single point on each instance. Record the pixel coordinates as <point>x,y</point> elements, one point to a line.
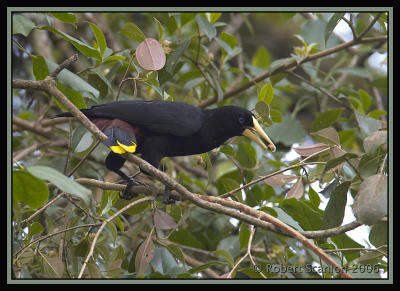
<point>126,194</point>
<point>114,162</point>
<point>167,199</point>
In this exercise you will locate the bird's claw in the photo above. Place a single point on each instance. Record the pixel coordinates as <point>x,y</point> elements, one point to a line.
<point>167,199</point>
<point>126,194</point>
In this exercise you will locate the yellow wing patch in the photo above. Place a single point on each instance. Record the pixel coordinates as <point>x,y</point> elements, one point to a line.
<point>121,148</point>
<point>129,149</point>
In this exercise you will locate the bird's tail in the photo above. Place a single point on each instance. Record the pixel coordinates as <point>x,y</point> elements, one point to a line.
<point>87,112</point>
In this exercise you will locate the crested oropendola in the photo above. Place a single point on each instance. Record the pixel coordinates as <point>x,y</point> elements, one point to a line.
<point>158,129</point>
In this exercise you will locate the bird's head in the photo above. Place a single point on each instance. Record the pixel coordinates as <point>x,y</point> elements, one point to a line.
<point>243,122</point>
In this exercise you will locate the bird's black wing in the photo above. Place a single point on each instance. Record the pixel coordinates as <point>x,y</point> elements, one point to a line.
<point>174,118</point>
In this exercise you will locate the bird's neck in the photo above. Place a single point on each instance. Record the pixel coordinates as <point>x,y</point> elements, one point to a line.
<point>214,119</point>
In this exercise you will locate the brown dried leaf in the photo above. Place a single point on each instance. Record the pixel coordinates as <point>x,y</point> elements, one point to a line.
<point>372,142</point>
<point>327,135</point>
<point>306,151</point>
<point>279,180</point>
<point>297,190</point>
<point>164,221</point>
<point>144,255</point>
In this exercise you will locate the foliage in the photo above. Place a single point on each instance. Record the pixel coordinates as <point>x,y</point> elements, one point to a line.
<point>328,111</point>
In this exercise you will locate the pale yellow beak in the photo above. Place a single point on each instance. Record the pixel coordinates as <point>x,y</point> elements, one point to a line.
<point>251,133</point>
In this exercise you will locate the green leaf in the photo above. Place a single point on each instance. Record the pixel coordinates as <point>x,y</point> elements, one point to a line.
<point>84,48</point>
<point>337,161</point>
<point>74,96</point>
<point>346,138</point>
<point>266,93</point>
<point>367,124</point>
<point>226,255</point>
<point>184,237</point>
<point>213,17</point>
<point>314,197</point>
<point>80,142</point>
<point>205,266</point>
<point>262,109</point>
<point>366,100</point>
<point>206,27</point>
<point>376,113</point>
<point>133,31</point>
<point>100,83</point>
<point>172,60</point>
<point>307,217</point>
<point>227,184</point>
<point>100,38</point>
<point>333,21</point>
<point>114,58</point>
<point>334,211</point>
<point>73,81</point>
<point>244,235</point>
<point>246,155</point>
<point>344,241</point>
<point>328,190</point>
<point>160,29</point>
<point>370,204</point>
<point>288,132</point>
<point>229,39</point>
<point>261,58</point>
<point>177,252</point>
<point>29,190</point>
<point>325,119</point>
<point>65,17</point>
<point>22,25</point>
<point>378,234</point>
<point>61,181</point>
<point>40,70</point>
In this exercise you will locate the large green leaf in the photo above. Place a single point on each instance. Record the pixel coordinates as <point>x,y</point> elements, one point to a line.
<point>73,81</point>
<point>307,217</point>
<point>206,26</point>
<point>84,48</point>
<point>325,119</point>
<point>100,38</point>
<point>133,31</point>
<point>333,21</point>
<point>288,132</point>
<point>29,190</point>
<point>334,211</point>
<point>22,25</point>
<point>370,204</point>
<point>61,181</point>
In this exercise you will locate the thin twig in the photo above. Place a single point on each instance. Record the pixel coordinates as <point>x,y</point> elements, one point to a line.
<point>18,254</point>
<point>350,23</point>
<point>371,24</point>
<point>103,225</point>
<point>322,90</point>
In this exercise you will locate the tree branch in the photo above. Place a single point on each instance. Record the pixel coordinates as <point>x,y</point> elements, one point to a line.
<point>208,202</point>
<point>292,64</point>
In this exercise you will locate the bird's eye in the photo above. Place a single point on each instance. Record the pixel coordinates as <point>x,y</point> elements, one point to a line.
<point>242,120</point>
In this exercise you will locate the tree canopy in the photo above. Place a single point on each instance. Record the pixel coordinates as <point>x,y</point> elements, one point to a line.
<point>245,213</point>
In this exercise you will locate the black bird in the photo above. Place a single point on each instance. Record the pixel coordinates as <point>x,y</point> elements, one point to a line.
<point>158,129</point>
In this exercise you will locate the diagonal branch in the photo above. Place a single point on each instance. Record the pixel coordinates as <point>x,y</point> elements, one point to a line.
<point>292,64</point>
<point>208,202</point>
